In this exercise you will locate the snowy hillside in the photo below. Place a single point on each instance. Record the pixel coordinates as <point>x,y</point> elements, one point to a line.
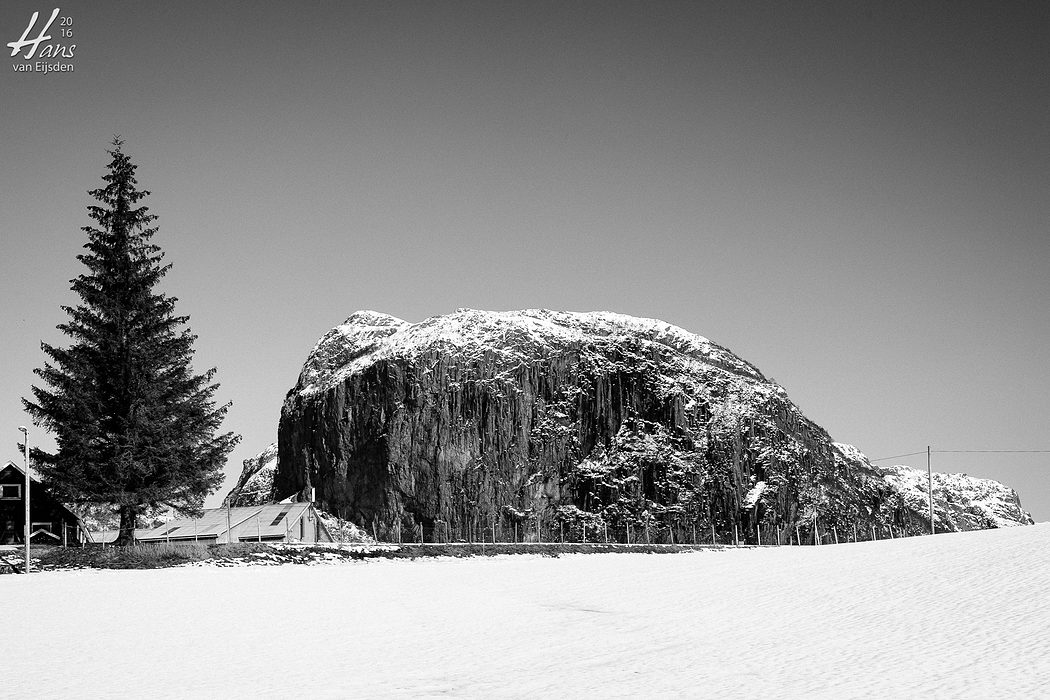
<point>951,616</point>
<point>960,502</point>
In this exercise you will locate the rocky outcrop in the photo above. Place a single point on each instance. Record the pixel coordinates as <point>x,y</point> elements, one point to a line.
<point>960,502</point>
<point>254,486</point>
<point>539,423</point>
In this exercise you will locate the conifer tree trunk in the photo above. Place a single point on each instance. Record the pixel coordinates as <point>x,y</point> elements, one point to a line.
<point>128,517</point>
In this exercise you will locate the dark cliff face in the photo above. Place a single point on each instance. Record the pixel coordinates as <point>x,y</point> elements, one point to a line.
<point>543,422</point>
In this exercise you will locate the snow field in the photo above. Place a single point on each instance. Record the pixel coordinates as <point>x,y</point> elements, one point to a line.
<point>959,615</point>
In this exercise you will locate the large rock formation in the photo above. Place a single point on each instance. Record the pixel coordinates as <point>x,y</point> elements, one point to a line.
<point>540,423</point>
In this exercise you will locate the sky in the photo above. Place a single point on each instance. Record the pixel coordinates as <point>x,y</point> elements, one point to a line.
<point>851,196</point>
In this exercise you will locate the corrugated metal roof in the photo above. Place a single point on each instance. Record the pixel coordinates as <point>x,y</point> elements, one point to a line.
<point>110,536</point>
<point>267,521</point>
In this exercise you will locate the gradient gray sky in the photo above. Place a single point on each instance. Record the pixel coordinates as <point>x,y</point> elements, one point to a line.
<point>851,196</point>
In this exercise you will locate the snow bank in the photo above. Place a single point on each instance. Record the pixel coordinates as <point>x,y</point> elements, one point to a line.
<point>960,615</point>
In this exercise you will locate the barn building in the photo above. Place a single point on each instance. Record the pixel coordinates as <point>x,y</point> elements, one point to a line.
<point>50,521</point>
<point>277,522</point>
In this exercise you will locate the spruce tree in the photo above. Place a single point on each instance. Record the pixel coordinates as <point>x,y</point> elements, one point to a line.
<point>135,427</point>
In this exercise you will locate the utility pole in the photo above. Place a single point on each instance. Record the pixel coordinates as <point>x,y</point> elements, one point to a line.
<point>929,477</point>
<point>26,532</point>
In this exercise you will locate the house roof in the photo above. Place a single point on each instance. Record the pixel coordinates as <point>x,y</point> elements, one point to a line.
<point>35,484</point>
<point>271,520</point>
<point>110,536</point>
<point>33,474</point>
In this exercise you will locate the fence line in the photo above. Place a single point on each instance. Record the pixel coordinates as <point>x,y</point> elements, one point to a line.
<point>763,533</point>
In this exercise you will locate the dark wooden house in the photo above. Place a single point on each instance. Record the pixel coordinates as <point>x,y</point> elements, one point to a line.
<point>50,521</point>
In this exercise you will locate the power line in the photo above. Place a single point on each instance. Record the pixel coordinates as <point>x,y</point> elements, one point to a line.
<point>912,454</point>
<point>1002,451</point>
<point>894,457</point>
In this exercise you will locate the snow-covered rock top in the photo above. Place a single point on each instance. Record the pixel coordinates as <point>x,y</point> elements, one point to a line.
<point>256,480</point>
<point>366,337</point>
<point>964,501</point>
<point>851,452</point>
<point>960,502</point>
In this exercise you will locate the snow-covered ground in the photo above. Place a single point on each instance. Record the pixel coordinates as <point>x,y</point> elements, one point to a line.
<point>958,615</point>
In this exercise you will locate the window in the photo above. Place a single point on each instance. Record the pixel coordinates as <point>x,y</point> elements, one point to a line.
<point>279,518</point>
<point>10,492</point>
